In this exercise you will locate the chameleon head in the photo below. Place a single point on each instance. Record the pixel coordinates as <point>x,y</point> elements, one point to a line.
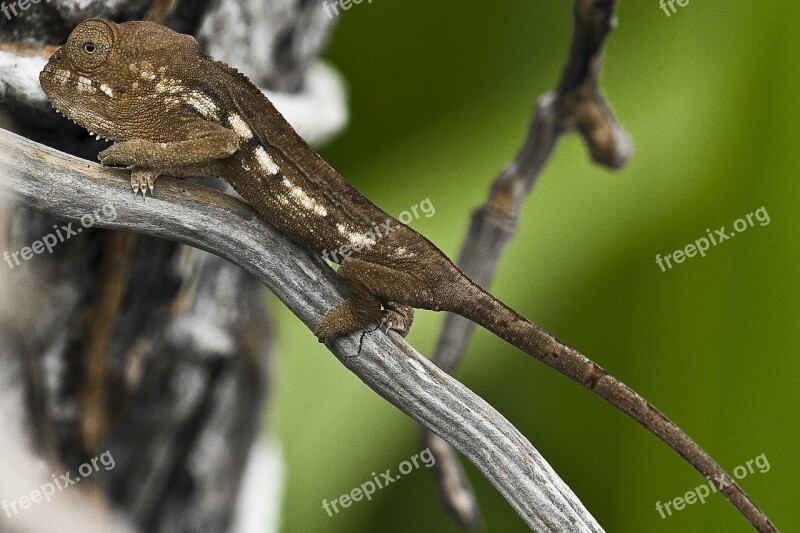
<point>107,73</point>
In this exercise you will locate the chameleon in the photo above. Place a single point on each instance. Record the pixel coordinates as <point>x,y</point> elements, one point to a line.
<point>173,110</point>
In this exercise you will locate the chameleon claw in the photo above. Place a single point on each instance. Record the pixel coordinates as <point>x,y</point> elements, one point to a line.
<point>137,188</point>
<point>143,180</point>
<point>396,317</point>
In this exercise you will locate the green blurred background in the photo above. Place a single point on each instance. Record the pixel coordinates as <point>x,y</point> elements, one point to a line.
<point>441,95</point>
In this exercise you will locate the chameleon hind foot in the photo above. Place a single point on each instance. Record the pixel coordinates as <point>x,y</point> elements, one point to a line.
<point>397,317</point>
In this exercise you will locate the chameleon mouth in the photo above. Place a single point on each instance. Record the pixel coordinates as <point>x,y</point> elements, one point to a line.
<point>50,80</point>
<point>72,119</point>
<point>98,136</point>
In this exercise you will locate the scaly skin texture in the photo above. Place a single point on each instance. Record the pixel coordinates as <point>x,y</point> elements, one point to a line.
<point>173,110</point>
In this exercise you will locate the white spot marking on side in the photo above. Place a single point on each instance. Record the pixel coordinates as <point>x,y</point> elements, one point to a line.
<point>402,252</point>
<point>357,239</point>
<point>304,199</point>
<point>169,86</point>
<point>107,90</point>
<point>203,104</point>
<point>240,127</point>
<point>266,162</point>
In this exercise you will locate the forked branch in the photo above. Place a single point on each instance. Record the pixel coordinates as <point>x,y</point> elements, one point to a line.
<point>63,186</point>
<point>576,104</point>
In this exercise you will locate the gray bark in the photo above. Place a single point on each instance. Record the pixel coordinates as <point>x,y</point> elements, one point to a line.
<point>154,351</point>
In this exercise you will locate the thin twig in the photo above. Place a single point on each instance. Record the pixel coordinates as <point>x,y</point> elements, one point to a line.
<point>576,104</point>
<point>109,294</point>
<point>63,186</point>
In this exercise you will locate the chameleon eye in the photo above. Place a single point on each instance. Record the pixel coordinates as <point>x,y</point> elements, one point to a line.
<point>90,44</point>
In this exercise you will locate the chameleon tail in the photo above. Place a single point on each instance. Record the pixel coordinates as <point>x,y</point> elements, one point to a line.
<point>484,309</point>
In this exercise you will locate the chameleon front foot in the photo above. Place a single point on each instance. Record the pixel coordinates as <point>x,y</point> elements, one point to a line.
<point>142,180</point>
